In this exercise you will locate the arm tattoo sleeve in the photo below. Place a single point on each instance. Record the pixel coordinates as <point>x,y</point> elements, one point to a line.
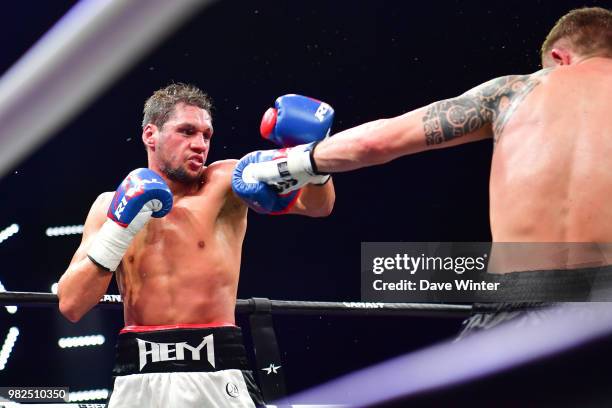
<point>491,103</point>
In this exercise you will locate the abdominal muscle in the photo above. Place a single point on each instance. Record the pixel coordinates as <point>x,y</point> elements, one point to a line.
<point>174,273</point>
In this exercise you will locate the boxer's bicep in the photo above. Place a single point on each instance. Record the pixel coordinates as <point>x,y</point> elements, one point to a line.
<point>468,117</point>
<point>455,121</point>
<point>93,223</point>
<point>83,284</point>
<point>480,113</point>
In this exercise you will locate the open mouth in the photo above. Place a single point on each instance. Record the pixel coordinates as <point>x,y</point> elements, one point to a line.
<point>195,162</point>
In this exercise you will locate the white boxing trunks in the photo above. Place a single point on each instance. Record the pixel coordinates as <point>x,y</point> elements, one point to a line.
<point>182,366</point>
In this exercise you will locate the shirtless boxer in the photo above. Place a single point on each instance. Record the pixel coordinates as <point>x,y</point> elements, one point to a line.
<point>178,271</point>
<point>551,175</point>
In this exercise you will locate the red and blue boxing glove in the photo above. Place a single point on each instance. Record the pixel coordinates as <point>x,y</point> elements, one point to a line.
<point>296,120</point>
<point>142,195</point>
<point>268,180</point>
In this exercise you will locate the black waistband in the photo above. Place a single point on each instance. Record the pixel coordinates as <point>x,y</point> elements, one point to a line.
<point>180,350</point>
<point>566,285</point>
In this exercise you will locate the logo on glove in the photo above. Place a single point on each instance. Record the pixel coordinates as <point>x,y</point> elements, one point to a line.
<point>322,111</point>
<point>137,185</point>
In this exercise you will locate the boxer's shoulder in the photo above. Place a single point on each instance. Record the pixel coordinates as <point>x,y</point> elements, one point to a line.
<point>216,179</point>
<point>220,171</point>
<point>223,164</point>
<point>221,175</point>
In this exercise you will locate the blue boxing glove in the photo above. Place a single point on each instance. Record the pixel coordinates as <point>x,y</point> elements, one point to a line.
<point>142,195</point>
<point>296,120</point>
<point>261,197</point>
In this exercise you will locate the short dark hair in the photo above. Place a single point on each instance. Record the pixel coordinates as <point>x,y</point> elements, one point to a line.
<point>160,105</point>
<point>589,30</point>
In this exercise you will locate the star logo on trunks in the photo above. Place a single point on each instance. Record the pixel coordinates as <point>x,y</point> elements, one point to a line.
<point>232,390</point>
<point>271,369</point>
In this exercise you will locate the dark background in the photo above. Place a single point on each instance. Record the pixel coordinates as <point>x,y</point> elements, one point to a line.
<point>368,59</point>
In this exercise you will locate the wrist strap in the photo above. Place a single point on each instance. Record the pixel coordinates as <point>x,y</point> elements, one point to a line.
<point>313,164</point>
<point>98,264</point>
<point>321,180</point>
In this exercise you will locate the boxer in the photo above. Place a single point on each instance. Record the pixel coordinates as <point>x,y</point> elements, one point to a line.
<point>172,236</point>
<point>551,172</point>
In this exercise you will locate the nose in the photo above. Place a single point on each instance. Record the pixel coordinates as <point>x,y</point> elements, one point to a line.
<point>199,144</point>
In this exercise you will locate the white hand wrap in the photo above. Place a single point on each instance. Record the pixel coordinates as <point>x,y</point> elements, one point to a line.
<point>296,167</point>
<point>299,165</point>
<point>112,240</point>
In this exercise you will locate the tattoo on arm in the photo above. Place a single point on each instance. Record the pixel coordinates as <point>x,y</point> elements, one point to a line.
<point>452,118</point>
<point>490,104</point>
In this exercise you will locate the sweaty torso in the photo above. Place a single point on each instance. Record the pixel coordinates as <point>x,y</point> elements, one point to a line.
<point>184,267</point>
<point>551,175</point>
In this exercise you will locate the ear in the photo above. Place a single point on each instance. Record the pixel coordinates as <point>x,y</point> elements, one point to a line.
<point>561,56</point>
<point>149,135</point>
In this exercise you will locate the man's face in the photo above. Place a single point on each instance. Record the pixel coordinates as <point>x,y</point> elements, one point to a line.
<point>183,143</point>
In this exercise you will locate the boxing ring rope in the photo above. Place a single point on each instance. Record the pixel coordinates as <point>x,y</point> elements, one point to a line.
<point>95,42</point>
<point>476,356</point>
<point>277,307</point>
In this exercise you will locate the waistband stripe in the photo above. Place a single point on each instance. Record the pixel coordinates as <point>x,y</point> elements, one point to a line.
<point>142,329</point>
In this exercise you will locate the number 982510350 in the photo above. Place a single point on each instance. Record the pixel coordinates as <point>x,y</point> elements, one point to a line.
<point>35,394</point>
